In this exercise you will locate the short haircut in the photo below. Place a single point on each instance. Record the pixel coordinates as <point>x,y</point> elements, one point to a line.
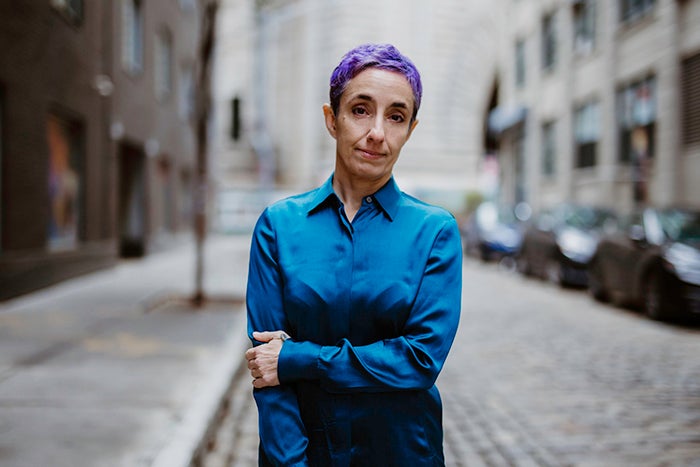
<point>383,56</point>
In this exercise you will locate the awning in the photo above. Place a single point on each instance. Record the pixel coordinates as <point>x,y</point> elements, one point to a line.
<point>503,117</point>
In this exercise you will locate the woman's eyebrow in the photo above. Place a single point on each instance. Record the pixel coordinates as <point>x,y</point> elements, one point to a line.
<point>366,97</point>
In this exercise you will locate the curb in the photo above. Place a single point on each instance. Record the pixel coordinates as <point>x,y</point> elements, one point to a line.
<point>190,434</point>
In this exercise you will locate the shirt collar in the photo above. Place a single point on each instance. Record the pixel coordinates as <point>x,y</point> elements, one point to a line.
<point>387,197</point>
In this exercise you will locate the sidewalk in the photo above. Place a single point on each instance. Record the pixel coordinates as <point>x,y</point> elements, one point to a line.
<point>116,368</point>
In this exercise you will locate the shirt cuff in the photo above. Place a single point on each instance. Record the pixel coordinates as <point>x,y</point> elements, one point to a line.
<point>298,360</point>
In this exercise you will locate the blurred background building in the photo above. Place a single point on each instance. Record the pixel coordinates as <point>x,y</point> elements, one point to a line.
<point>541,101</point>
<point>96,142</point>
<point>599,102</point>
<point>274,62</point>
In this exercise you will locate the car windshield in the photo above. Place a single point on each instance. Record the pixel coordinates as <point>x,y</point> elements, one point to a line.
<point>587,218</point>
<point>681,225</point>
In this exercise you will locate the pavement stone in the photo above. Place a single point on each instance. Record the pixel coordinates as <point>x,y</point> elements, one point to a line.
<point>117,368</point>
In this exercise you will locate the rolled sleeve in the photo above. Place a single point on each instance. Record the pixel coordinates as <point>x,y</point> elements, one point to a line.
<point>298,360</point>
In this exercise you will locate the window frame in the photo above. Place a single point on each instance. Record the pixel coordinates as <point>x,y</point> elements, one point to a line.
<point>163,57</point>
<point>549,148</point>
<point>625,128</point>
<point>587,133</point>
<point>634,10</point>
<point>133,36</point>
<point>520,64</point>
<point>690,97</point>
<point>585,26</point>
<point>73,11</point>
<point>549,41</point>
<point>75,129</point>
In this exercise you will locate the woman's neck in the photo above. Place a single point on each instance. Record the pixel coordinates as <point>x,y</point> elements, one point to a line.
<point>351,192</point>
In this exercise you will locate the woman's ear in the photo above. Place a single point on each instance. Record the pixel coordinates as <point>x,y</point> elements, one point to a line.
<point>330,120</point>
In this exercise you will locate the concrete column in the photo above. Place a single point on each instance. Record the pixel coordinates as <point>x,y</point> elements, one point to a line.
<point>668,166</point>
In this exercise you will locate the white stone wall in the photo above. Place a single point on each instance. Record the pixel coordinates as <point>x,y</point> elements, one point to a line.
<point>453,43</point>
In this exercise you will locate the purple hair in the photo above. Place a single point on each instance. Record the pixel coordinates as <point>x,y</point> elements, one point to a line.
<point>384,56</point>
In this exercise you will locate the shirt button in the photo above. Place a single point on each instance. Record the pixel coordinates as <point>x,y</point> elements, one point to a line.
<point>368,199</point>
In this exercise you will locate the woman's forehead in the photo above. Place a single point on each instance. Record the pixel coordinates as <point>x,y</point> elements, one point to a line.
<point>379,84</point>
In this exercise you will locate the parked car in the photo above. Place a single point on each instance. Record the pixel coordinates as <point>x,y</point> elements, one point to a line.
<point>653,261</point>
<point>560,242</point>
<point>494,231</point>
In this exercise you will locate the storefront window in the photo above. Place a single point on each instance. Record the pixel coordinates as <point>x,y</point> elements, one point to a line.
<point>65,144</point>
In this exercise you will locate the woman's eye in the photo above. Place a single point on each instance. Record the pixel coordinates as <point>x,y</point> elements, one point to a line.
<point>359,111</point>
<point>397,118</point>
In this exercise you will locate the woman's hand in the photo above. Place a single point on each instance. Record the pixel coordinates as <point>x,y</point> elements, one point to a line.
<point>262,360</point>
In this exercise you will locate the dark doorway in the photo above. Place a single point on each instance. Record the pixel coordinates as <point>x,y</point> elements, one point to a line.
<point>132,201</point>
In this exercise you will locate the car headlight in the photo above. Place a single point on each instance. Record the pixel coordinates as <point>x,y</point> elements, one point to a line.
<point>684,261</point>
<point>576,245</point>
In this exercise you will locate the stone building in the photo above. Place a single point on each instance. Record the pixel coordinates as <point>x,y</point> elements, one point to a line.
<point>272,80</point>
<point>597,102</point>
<point>96,143</point>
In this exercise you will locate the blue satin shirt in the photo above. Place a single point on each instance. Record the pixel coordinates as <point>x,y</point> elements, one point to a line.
<point>372,306</point>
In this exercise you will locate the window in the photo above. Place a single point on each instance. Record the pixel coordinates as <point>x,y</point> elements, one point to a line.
<point>520,63</point>
<point>65,143</point>
<point>549,149</point>
<point>188,6</point>
<point>186,95</point>
<point>584,26</point>
<point>236,118</point>
<point>71,10</point>
<point>549,42</point>
<point>132,35</point>
<point>586,134</point>
<point>637,120</point>
<point>690,96</point>
<point>164,64</point>
<point>631,10</point>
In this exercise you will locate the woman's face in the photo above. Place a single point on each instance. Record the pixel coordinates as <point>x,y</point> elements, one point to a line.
<point>372,125</point>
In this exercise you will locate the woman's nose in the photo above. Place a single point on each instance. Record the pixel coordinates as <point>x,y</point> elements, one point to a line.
<point>376,133</point>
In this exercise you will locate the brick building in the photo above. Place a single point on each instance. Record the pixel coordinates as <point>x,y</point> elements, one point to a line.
<point>97,150</point>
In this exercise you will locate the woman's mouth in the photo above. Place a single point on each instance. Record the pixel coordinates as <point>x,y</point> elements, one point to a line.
<point>370,154</point>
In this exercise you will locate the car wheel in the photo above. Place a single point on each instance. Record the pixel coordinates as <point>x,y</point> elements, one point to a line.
<point>596,283</point>
<point>484,253</point>
<point>652,303</point>
<point>523,265</point>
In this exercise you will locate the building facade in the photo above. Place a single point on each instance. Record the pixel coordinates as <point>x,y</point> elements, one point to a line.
<point>597,102</point>
<point>278,140</point>
<point>96,144</point>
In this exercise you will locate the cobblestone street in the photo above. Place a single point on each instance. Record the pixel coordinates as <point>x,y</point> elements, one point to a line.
<point>541,376</point>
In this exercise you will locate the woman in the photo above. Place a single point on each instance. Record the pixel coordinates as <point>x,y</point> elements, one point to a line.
<point>367,282</point>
